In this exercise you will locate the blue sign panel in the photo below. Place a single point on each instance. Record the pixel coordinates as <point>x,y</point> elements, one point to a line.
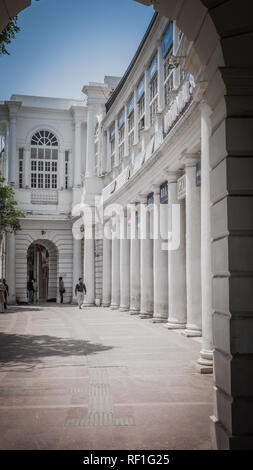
<point>164,192</point>
<point>167,40</point>
<point>130,106</point>
<point>121,119</point>
<point>140,90</point>
<point>112,133</point>
<point>153,68</point>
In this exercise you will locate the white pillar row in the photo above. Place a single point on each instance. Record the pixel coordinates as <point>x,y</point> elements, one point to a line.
<point>77,163</point>
<point>11,266</point>
<point>27,171</point>
<point>160,264</point>
<point>90,154</point>
<point>147,99</point>
<point>193,269</point>
<point>134,263</point>
<point>124,263</point>
<point>176,260</point>
<point>160,77</point>
<point>89,266</point>
<point>115,297</point>
<point>206,353</point>
<point>107,264</point>
<point>146,261</point>
<point>77,268</point>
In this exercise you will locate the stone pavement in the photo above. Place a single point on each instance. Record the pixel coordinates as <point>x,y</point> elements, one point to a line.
<point>98,379</point>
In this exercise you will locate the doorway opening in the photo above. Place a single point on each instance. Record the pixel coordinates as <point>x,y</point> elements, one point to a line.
<point>42,268</point>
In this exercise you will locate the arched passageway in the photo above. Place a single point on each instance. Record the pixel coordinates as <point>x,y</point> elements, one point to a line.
<point>222,35</point>
<point>42,266</point>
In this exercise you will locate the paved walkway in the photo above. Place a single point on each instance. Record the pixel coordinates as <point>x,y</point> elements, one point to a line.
<point>98,379</point>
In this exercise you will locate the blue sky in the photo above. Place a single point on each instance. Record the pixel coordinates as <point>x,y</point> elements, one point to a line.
<point>64,44</point>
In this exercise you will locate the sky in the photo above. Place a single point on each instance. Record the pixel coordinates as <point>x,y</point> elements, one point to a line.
<point>64,44</point>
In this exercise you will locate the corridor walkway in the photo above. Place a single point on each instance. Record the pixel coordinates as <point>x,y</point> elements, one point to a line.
<point>98,379</point>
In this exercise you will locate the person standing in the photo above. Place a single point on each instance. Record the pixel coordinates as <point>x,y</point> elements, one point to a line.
<point>30,291</point>
<point>61,289</point>
<point>6,292</point>
<point>35,288</point>
<point>80,290</point>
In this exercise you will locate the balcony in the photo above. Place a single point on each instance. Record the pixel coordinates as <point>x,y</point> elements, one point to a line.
<point>44,196</point>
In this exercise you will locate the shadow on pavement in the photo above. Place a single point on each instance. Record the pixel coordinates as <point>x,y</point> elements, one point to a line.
<point>16,348</point>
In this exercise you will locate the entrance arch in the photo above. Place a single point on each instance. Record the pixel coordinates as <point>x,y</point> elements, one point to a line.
<point>42,262</point>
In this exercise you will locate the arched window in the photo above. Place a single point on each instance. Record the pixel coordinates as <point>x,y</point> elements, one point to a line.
<point>44,160</point>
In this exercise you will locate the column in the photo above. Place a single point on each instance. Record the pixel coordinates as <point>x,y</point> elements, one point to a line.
<point>11,266</point>
<point>160,264</point>
<point>206,353</point>
<point>89,266</point>
<point>193,270</point>
<point>124,264</point>
<point>77,265</point>
<point>107,264</point>
<point>77,164</point>
<point>27,171</point>
<point>147,99</point>
<point>146,261</point>
<point>12,156</point>
<point>134,263</point>
<point>115,299</point>
<point>176,261</point>
<point>90,154</point>
<point>160,77</point>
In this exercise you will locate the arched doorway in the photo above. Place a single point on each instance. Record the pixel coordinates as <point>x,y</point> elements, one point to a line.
<point>42,267</point>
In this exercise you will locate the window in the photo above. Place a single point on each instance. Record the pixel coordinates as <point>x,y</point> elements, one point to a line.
<point>168,78</point>
<point>121,141</point>
<point>66,169</point>
<point>131,131</point>
<point>153,104</point>
<point>141,114</point>
<point>153,90</point>
<point>20,167</point>
<point>44,160</point>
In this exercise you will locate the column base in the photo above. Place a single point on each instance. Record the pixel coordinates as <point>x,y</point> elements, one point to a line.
<point>106,304</point>
<point>132,311</point>
<point>88,304</point>
<point>123,308</point>
<point>144,315</point>
<point>189,333</point>
<point>159,319</point>
<point>175,326</point>
<point>205,362</point>
<point>114,307</point>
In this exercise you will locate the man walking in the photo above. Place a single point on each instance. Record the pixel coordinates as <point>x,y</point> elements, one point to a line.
<point>80,290</point>
<point>6,292</point>
<point>61,289</point>
<point>30,291</point>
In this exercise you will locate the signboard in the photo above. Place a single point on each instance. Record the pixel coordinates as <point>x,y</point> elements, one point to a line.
<point>182,99</point>
<point>167,40</point>
<point>152,69</point>
<point>164,192</point>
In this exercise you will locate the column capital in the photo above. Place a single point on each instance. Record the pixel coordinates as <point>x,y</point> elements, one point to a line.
<point>13,107</point>
<point>155,188</point>
<point>141,198</point>
<point>190,159</point>
<point>205,108</point>
<point>172,176</point>
<point>199,91</point>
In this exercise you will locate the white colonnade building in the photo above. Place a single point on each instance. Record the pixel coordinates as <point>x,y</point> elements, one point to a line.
<point>134,156</point>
